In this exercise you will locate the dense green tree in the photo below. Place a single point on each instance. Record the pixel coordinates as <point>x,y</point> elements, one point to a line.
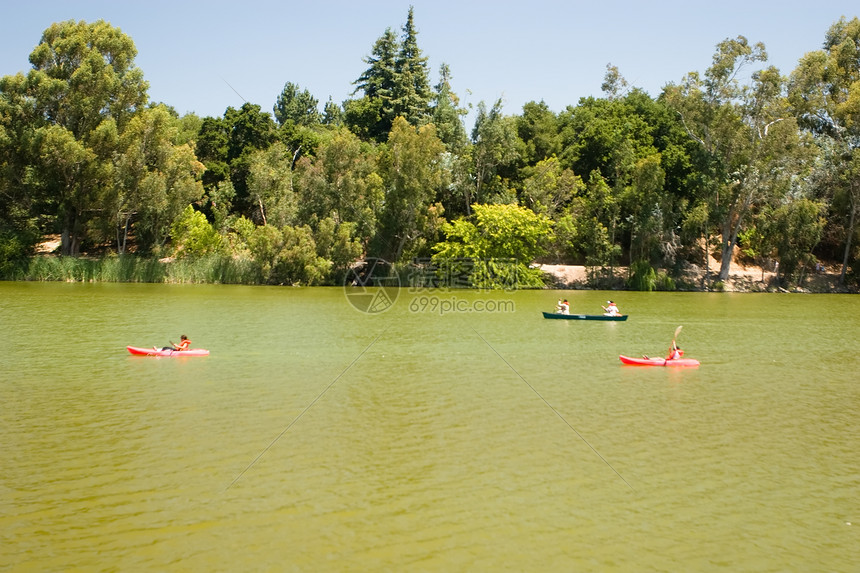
<point>270,186</point>
<point>447,115</point>
<point>296,105</point>
<point>413,175</point>
<point>549,188</point>
<point>250,130</point>
<point>20,201</point>
<point>84,89</point>
<point>494,247</point>
<point>605,136</point>
<point>825,93</point>
<point>494,147</point>
<point>341,182</point>
<point>154,179</point>
<point>411,95</point>
<point>750,139</point>
<point>538,128</point>
<point>212,142</point>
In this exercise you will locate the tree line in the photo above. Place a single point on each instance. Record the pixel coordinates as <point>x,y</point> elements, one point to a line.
<point>738,159</point>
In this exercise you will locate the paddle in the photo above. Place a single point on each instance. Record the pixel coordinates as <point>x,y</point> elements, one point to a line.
<point>677,331</point>
<point>674,346</point>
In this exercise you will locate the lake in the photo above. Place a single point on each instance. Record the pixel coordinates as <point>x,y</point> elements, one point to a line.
<point>452,431</point>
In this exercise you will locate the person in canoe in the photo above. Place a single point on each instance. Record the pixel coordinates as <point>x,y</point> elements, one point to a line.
<point>563,307</point>
<point>611,310</point>
<point>184,344</point>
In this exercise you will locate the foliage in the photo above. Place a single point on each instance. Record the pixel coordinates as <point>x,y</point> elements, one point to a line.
<point>734,156</point>
<point>193,235</point>
<point>413,175</point>
<point>299,107</point>
<point>84,89</point>
<point>643,276</point>
<point>797,227</point>
<point>497,244</point>
<point>396,84</point>
<point>287,255</point>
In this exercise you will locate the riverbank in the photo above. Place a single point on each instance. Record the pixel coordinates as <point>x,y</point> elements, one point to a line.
<point>742,278</point>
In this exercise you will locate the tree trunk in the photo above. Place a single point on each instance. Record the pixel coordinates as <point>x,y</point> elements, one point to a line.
<point>70,241</point>
<point>851,222</point>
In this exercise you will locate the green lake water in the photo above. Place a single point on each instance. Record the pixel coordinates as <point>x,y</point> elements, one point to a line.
<point>456,431</point>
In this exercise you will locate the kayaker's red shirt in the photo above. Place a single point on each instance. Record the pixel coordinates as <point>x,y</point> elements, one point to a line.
<point>184,345</point>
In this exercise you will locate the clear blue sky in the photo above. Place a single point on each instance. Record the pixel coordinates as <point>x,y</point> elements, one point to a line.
<point>555,51</point>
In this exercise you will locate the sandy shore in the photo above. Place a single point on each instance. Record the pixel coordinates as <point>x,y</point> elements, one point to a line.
<point>742,278</point>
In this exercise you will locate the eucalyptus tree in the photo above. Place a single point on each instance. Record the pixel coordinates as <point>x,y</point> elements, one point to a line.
<point>270,186</point>
<point>825,93</point>
<point>751,141</point>
<point>20,203</point>
<point>413,173</point>
<point>614,85</point>
<point>249,130</point>
<point>495,146</point>
<point>341,182</point>
<point>84,90</point>
<point>154,179</point>
<point>549,188</point>
<point>647,206</point>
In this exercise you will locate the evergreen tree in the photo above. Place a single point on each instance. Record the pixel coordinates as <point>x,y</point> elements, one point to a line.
<point>372,115</point>
<point>412,95</point>
<point>297,106</point>
<point>446,114</point>
<point>396,84</point>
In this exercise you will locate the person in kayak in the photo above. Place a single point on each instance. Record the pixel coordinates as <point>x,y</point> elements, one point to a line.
<point>184,343</point>
<point>675,352</point>
<point>611,310</point>
<point>563,307</point>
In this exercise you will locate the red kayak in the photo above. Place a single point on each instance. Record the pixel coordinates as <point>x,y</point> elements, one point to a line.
<point>658,361</point>
<point>137,351</point>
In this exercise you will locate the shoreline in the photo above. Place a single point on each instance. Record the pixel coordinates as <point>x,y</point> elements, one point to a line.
<point>742,278</point>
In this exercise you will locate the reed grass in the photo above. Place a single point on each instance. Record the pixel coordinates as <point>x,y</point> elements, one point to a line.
<point>213,269</point>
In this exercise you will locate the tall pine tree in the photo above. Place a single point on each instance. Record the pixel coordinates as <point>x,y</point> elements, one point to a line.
<point>412,93</point>
<point>396,83</point>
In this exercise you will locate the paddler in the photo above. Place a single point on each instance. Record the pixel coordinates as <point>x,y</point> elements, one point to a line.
<point>675,352</point>
<point>184,343</point>
<point>611,310</point>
